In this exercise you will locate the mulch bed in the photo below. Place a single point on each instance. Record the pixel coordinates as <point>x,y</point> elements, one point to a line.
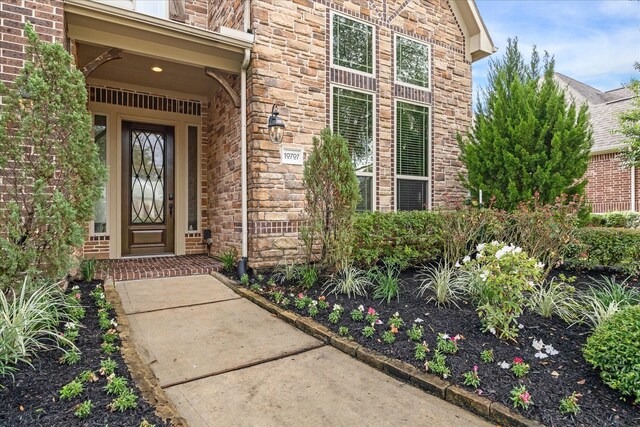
<point>549,380</point>
<point>33,398</point>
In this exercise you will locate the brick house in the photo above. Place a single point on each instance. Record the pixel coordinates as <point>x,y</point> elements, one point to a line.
<point>611,187</point>
<point>181,92</point>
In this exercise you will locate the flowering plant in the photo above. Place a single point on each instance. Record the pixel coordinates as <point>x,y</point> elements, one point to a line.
<point>357,314</point>
<point>389,336</point>
<point>519,368</point>
<point>336,313</point>
<point>371,316</point>
<point>471,378</point>
<point>448,344</point>
<point>569,405</point>
<point>415,333</point>
<point>504,272</point>
<point>421,351</point>
<point>313,308</point>
<point>395,320</point>
<point>368,331</point>
<point>322,302</point>
<point>302,301</point>
<point>521,397</point>
<point>438,364</point>
<point>487,355</point>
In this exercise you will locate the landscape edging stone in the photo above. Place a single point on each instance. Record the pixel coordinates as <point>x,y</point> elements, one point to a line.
<point>140,372</point>
<point>432,384</point>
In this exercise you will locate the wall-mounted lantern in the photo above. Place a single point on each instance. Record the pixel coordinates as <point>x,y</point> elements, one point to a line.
<point>276,126</point>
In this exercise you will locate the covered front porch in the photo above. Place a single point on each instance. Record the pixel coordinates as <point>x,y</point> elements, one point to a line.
<point>155,87</point>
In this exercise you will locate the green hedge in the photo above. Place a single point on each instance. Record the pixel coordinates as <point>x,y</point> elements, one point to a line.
<point>617,248</point>
<point>614,349</point>
<point>412,237</point>
<point>624,219</point>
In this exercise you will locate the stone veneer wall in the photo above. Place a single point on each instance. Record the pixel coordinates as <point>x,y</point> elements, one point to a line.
<point>290,66</point>
<point>609,187</point>
<point>223,172</point>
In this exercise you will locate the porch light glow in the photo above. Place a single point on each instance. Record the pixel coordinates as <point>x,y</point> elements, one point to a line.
<point>276,126</point>
<point>156,69</point>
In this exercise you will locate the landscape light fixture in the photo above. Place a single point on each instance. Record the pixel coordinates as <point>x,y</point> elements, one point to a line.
<point>276,126</point>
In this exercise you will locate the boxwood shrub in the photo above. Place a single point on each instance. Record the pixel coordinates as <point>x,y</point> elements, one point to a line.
<point>614,349</point>
<point>617,248</point>
<point>412,237</point>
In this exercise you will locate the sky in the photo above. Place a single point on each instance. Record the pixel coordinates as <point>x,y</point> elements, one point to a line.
<point>593,41</point>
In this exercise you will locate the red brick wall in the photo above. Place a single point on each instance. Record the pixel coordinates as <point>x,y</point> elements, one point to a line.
<point>46,17</point>
<point>609,187</point>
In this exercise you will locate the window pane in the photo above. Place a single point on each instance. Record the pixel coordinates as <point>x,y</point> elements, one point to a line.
<point>412,195</point>
<point>412,62</point>
<point>152,7</point>
<point>412,136</point>
<point>100,209</point>
<point>353,119</point>
<point>366,192</point>
<point>352,44</point>
<point>193,178</point>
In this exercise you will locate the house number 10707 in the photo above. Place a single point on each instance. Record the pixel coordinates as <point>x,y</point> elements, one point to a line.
<point>292,156</point>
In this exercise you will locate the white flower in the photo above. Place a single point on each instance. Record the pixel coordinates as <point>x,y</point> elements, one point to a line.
<point>418,320</point>
<point>504,365</point>
<point>466,259</point>
<point>378,322</point>
<point>396,314</point>
<point>541,355</point>
<point>484,275</point>
<point>75,288</point>
<point>539,265</point>
<point>520,326</point>
<point>114,323</point>
<point>361,307</point>
<point>517,250</point>
<point>550,350</point>
<point>537,344</point>
<point>314,303</point>
<point>481,247</point>
<point>445,336</point>
<point>480,255</point>
<point>495,243</point>
<point>70,325</point>
<point>337,307</point>
<point>457,264</point>
<point>492,330</point>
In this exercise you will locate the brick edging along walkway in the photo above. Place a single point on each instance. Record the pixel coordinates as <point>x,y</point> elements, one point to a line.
<point>432,384</point>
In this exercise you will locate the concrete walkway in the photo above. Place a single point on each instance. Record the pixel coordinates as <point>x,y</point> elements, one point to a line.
<point>223,361</point>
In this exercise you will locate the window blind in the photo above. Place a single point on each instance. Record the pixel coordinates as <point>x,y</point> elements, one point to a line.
<point>412,132</point>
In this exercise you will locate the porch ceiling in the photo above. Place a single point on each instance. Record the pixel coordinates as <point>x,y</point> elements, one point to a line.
<point>135,70</point>
<point>94,23</point>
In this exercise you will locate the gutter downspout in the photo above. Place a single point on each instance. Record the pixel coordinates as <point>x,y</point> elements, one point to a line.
<point>242,265</point>
<point>633,188</point>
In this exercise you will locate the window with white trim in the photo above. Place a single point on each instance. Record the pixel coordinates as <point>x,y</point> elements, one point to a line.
<point>412,62</point>
<point>157,8</point>
<point>412,156</point>
<point>353,120</point>
<point>352,43</point>
<point>100,208</point>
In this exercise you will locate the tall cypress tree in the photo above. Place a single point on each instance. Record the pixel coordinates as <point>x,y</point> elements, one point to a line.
<point>527,138</point>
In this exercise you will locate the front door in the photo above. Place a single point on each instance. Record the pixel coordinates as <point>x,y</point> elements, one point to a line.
<point>148,189</point>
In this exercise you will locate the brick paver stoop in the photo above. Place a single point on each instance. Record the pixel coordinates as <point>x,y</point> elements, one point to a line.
<point>156,267</point>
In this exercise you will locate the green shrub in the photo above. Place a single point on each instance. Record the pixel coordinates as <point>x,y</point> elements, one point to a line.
<point>616,248</point>
<point>443,283</point>
<point>614,349</point>
<point>56,181</point>
<point>88,269</point>
<point>228,259</point>
<point>626,219</point>
<point>506,272</point>
<point>348,280</point>
<point>386,281</point>
<point>28,324</point>
<point>408,238</point>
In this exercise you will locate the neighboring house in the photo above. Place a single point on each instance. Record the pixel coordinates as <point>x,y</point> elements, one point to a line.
<point>611,186</point>
<point>181,91</point>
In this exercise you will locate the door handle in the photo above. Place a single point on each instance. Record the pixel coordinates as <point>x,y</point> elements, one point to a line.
<point>171,209</point>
